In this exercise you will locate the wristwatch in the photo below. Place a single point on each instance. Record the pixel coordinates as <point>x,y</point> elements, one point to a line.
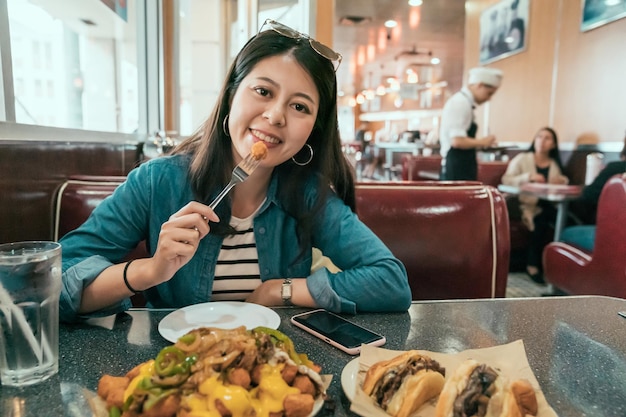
<point>285,292</point>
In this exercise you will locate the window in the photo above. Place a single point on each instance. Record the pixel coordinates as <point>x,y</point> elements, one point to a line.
<point>83,59</point>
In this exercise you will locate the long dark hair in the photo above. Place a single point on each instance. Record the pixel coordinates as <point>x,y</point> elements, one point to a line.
<point>554,153</point>
<point>211,148</point>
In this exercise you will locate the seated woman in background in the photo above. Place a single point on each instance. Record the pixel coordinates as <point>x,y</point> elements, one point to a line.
<point>257,245</point>
<point>583,236</point>
<point>541,163</point>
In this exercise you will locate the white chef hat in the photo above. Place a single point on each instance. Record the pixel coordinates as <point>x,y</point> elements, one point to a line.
<point>489,76</point>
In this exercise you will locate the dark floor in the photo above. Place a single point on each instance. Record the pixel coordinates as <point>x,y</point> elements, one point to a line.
<point>520,285</point>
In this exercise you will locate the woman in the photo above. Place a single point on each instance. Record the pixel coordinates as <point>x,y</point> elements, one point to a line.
<point>540,164</point>
<point>280,90</point>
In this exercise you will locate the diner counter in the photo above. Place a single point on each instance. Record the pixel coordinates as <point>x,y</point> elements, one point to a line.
<point>576,347</point>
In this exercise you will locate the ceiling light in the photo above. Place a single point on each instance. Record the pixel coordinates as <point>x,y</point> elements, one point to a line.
<point>415,2</point>
<point>435,61</point>
<point>391,24</point>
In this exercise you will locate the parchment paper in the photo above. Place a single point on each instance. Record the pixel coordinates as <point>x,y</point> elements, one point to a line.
<point>510,359</point>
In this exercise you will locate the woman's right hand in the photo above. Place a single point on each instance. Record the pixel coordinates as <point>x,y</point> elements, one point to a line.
<point>178,241</point>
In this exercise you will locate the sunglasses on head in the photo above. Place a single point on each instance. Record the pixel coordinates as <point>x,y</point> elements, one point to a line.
<point>317,46</point>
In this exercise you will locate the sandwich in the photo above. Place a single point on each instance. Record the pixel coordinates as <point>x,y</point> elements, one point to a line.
<point>476,389</point>
<point>404,383</point>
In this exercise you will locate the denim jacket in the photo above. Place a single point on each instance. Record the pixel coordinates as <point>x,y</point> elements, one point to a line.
<point>371,278</point>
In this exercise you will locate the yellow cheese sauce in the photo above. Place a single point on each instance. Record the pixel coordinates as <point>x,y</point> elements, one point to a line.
<point>267,397</point>
<point>145,370</point>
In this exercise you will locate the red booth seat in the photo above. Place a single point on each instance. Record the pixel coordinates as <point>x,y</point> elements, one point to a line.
<point>491,172</point>
<point>453,239</point>
<point>602,271</point>
<point>76,199</point>
<point>451,236</point>
<point>428,168</point>
<point>415,167</point>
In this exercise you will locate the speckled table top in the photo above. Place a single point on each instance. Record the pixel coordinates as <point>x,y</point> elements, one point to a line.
<point>576,347</point>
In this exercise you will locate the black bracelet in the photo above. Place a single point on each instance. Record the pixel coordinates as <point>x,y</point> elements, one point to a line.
<point>134,291</point>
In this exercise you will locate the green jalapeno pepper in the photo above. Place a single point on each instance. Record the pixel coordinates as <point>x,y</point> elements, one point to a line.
<point>188,338</point>
<point>286,344</point>
<point>171,361</point>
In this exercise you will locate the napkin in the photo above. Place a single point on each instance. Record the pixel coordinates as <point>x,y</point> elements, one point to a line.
<point>510,359</point>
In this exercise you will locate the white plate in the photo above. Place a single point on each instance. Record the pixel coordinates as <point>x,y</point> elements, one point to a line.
<point>222,314</point>
<point>349,377</point>
<point>317,406</point>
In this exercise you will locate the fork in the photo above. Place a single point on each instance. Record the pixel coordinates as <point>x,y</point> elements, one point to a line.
<point>240,173</point>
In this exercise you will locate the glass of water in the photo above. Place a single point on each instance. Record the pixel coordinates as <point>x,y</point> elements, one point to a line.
<point>30,285</point>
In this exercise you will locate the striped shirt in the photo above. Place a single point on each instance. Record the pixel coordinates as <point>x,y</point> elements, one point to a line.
<point>237,271</point>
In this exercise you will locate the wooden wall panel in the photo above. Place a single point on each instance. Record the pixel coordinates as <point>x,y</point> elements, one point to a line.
<point>570,80</point>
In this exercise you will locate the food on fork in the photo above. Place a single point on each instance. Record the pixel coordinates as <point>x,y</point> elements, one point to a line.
<point>404,383</point>
<point>476,389</point>
<point>259,150</point>
<point>218,372</point>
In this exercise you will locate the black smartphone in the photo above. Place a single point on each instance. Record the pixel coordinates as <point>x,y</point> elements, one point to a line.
<point>337,331</point>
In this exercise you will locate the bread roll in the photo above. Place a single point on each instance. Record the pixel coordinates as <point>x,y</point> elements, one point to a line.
<point>478,390</point>
<point>403,384</point>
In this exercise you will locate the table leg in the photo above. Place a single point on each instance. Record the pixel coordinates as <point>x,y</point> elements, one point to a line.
<point>561,216</point>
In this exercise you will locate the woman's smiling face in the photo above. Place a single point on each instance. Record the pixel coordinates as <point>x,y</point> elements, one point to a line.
<point>277,103</point>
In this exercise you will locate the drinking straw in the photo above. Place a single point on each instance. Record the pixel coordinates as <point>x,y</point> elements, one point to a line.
<point>5,298</point>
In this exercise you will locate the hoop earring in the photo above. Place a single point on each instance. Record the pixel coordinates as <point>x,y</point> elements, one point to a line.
<point>225,126</point>
<point>308,160</point>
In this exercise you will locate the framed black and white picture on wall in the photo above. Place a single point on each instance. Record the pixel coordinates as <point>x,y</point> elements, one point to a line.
<point>503,30</point>
<point>600,12</point>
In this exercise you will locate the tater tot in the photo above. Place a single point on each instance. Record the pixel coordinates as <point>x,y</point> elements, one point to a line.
<point>289,372</point>
<point>256,374</point>
<point>221,408</point>
<point>298,405</point>
<point>304,384</point>
<point>259,151</point>
<point>111,389</point>
<point>135,371</point>
<point>167,407</point>
<point>239,376</point>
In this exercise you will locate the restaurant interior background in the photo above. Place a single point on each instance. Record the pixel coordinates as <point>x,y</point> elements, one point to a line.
<point>85,81</point>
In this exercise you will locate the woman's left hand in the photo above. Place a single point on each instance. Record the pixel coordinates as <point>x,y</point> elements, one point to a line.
<point>269,293</point>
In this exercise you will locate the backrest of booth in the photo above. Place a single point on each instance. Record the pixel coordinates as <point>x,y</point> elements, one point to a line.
<point>491,172</point>
<point>452,237</point>
<point>603,271</point>
<point>453,240</point>
<point>78,197</point>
